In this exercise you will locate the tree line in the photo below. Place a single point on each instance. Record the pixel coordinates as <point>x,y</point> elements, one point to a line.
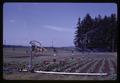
<point>96,33</point>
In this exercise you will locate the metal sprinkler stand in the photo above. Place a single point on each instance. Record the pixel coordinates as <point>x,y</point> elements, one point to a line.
<point>30,68</point>
<point>32,51</point>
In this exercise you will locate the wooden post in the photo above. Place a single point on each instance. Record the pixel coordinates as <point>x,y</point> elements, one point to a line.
<point>112,45</point>
<point>52,44</point>
<point>85,41</point>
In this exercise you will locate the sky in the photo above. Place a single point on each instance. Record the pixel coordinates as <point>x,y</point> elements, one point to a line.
<point>47,22</point>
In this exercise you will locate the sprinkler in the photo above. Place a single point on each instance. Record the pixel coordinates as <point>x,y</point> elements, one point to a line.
<point>35,47</point>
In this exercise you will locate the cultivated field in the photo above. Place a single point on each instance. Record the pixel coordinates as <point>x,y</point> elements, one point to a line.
<point>64,61</point>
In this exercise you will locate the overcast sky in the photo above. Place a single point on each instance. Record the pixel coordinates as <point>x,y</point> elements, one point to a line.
<point>47,22</point>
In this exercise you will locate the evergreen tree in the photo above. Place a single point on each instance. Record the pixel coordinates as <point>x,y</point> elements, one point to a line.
<point>87,23</point>
<point>78,34</point>
<point>102,32</point>
<point>113,32</point>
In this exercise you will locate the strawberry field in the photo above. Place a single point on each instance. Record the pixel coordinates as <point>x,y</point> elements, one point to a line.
<point>66,62</point>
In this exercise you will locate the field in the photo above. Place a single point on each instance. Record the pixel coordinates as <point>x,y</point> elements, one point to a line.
<point>64,61</point>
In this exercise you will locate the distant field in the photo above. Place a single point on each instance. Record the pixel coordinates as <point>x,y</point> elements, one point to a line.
<point>89,62</point>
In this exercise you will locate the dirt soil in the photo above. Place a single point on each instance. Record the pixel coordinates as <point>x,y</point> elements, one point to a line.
<point>38,76</point>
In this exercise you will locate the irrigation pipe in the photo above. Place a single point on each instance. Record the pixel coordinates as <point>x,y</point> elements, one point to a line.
<point>66,73</point>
